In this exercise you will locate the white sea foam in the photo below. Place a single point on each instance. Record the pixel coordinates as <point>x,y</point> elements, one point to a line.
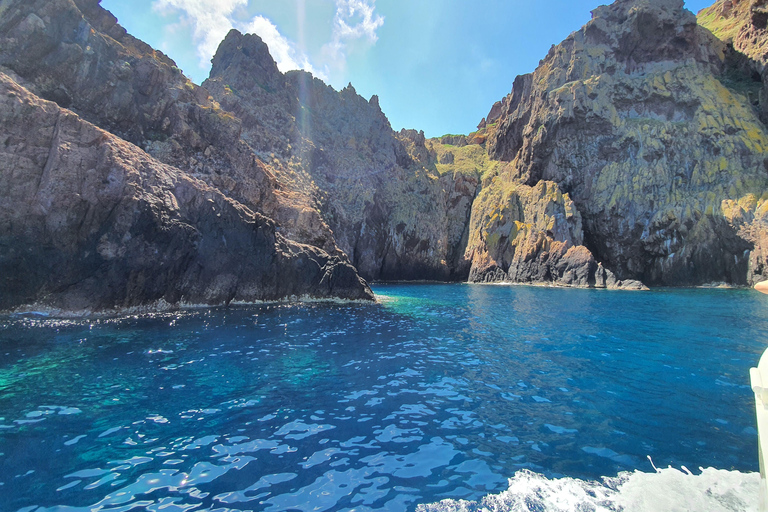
<point>671,490</point>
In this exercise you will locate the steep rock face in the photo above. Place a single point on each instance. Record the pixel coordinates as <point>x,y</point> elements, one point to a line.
<point>90,222</point>
<point>376,190</point>
<point>749,216</point>
<point>521,227</point>
<point>533,235</point>
<point>75,53</point>
<point>632,152</point>
<point>629,117</point>
<point>84,61</point>
<point>742,26</point>
<point>325,165</point>
<point>741,23</point>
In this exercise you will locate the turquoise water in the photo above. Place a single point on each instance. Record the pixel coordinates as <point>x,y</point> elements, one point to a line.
<point>437,392</point>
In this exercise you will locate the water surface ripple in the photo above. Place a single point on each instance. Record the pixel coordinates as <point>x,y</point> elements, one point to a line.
<point>437,392</point>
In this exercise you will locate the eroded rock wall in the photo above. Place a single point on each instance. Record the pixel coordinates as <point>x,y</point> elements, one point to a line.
<point>634,152</point>
<point>630,118</point>
<point>75,54</point>
<point>89,222</point>
<point>379,192</point>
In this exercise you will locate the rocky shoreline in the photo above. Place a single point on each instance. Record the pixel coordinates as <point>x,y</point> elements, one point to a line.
<point>633,156</point>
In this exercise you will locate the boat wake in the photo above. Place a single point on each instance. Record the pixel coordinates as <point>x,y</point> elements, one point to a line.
<point>670,490</point>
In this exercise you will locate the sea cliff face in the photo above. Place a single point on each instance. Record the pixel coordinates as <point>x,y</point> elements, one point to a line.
<point>740,23</point>
<point>633,120</point>
<point>91,222</point>
<point>377,192</point>
<point>634,153</point>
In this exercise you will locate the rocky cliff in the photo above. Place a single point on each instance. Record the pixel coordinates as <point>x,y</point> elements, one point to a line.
<point>633,154</point>
<point>740,23</point>
<point>641,148</point>
<point>89,221</point>
<point>385,204</point>
<point>75,53</point>
<point>324,165</point>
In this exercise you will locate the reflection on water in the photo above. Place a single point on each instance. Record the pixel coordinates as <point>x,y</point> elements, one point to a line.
<point>437,392</point>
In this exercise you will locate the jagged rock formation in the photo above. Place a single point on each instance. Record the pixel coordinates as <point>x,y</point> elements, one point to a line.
<point>519,233</point>
<point>741,23</point>
<point>91,222</point>
<point>633,154</point>
<point>378,191</point>
<point>75,53</point>
<point>536,237</point>
<point>629,118</point>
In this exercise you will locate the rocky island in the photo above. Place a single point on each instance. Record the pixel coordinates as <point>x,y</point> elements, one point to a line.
<point>633,156</point>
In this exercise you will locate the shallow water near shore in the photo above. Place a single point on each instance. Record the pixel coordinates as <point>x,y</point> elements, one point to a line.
<point>434,398</point>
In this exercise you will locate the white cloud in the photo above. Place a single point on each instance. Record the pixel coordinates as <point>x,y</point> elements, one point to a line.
<point>354,21</point>
<point>286,54</point>
<point>210,21</point>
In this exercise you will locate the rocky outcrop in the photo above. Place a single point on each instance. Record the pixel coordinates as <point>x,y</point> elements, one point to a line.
<point>533,235</point>
<point>454,140</point>
<point>84,61</point>
<point>630,118</point>
<point>74,53</point>
<point>633,153</point>
<point>325,165</point>
<point>89,222</point>
<point>740,23</point>
<point>377,191</point>
<point>127,88</point>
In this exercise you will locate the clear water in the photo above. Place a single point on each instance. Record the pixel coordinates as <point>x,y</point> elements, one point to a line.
<point>432,399</point>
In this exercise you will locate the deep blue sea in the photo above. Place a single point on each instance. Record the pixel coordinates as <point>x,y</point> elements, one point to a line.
<point>438,397</point>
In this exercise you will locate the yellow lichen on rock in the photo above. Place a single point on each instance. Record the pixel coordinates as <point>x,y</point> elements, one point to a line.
<point>648,143</point>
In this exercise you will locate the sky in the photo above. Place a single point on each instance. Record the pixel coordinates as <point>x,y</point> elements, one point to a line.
<point>436,65</point>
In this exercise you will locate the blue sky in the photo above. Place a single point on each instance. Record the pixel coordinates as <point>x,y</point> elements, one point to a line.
<point>436,65</point>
